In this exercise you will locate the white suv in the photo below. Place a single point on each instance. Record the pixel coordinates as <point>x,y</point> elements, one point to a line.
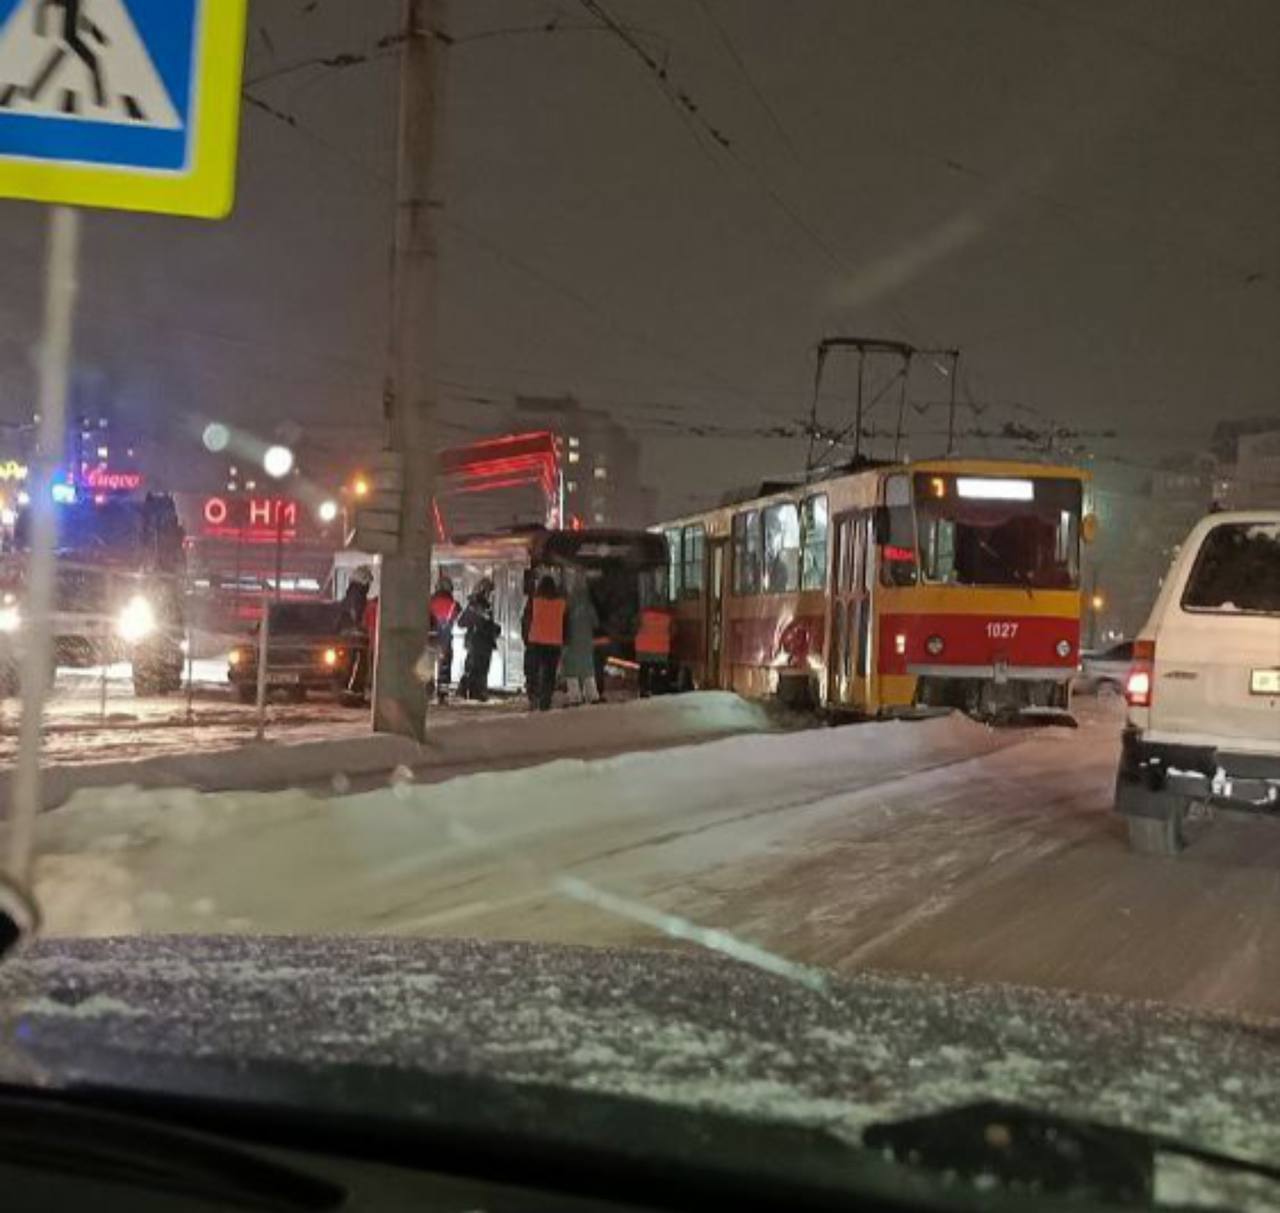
<point>1203,733</point>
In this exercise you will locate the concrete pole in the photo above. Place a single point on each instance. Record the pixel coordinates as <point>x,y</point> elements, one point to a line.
<point>399,696</point>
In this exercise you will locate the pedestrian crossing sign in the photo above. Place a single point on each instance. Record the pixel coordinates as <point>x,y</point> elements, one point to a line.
<point>129,104</point>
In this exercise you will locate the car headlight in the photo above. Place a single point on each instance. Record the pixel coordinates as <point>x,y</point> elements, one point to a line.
<point>137,620</point>
<point>10,618</point>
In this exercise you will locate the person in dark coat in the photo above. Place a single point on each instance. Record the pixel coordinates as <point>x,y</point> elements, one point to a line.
<point>444,614</point>
<point>356,598</point>
<point>546,640</point>
<point>581,624</point>
<point>482,638</point>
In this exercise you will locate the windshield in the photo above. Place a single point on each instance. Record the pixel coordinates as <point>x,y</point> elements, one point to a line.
<point>999,531</point>
<point>1237,569</point>
<point>643,549</point>
<point>319,619</point>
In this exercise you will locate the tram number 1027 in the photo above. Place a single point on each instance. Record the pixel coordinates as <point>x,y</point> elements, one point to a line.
<point>1002,631</point>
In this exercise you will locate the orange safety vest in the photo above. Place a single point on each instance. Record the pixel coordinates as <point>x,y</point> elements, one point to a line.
<point>547,624</point>
<point>653,640</point>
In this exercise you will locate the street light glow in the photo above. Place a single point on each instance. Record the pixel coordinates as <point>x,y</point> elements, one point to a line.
<point>1098,602</point>
<point>216,437</point>
<point>278,461</point>
<point>360,486</point>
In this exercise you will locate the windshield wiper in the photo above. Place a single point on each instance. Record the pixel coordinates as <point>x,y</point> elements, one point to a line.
<point>1022,579</point>
<point>1050,1153</point>
<point>70,1140</point>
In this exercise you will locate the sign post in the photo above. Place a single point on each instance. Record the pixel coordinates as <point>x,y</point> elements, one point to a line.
<point>125,104</point>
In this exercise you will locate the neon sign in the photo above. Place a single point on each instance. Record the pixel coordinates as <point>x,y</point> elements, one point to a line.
<point>255,519</point>
<point>104,480</point>
<point>11,469</point>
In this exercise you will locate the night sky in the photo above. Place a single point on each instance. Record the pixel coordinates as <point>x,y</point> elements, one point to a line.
<point>1081,194</point>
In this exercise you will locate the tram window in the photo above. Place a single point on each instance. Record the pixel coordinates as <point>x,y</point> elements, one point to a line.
<point>813,573</point>
<point>694,542</point>
<point>898,554</point>
<point>673,562</point>
<point>938,536</point>
<point>782,548</point>
<point>746,553</point>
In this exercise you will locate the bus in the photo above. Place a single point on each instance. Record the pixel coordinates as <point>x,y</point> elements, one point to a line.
<point>894,589</point>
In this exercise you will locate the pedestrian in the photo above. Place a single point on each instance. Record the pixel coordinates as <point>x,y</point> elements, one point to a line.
<point>482,638</point>
<point>653,648</point>
<point>546,640</point>
<point>356,598</point>
<point>360,678</point>
<point>581,621</point>
<point>444,614</point>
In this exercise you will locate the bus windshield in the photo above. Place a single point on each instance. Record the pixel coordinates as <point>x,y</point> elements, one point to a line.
<point>999,531</point>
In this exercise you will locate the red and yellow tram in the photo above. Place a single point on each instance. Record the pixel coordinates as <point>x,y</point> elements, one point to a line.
<point>943,583</point>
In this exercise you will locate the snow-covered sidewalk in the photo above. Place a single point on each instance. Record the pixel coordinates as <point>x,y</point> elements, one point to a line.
<point>400,858</point>
<point>342,752</point>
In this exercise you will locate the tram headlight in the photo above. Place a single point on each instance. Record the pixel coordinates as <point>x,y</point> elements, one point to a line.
<point>137,620</point>
<point>934,646</point>
<point>1064,648</point>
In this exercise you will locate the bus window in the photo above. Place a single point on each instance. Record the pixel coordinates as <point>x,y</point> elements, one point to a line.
<point>694,542</point>
<point>813,573</point>
<point>746,553</point>
<point>673,562</point>
<point>898,554</point>
<point>782,548</point>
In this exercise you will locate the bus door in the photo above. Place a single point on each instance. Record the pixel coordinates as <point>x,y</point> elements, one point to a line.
<point>717,565</point>
<point>849,671</point>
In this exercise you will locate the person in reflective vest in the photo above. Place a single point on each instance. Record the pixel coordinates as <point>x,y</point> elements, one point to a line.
<point>444,614</point>
<point>653,648</point>
<point>546,640</point>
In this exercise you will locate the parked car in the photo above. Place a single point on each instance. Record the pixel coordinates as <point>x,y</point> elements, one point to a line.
<point>1203,731</point>
<point>1105,671</point>
<point>312,646</point>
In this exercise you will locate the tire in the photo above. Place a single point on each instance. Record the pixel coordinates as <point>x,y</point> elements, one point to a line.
<point>1157,836</point>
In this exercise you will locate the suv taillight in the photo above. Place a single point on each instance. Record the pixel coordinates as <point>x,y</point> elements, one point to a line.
<point>1138,686</point>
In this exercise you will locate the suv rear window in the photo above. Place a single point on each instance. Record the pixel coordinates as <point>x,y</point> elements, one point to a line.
<point>1238,569</point>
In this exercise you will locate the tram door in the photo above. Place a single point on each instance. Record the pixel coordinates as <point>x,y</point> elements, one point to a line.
<point>717,568</point>
<point>849,673</point>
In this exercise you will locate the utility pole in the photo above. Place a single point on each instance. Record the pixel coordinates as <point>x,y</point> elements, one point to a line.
<point>399,695</point>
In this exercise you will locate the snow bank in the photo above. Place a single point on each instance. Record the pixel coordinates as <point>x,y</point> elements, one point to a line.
<point>420,858</point>
<point>456,739</point>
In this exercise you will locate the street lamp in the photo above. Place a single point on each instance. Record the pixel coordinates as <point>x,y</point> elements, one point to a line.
<point>277,461</point>
<point>1097,602</point>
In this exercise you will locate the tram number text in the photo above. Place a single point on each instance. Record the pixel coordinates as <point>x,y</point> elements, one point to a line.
<point>1002,631</point>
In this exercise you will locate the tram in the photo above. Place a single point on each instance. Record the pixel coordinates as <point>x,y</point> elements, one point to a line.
<point>948,583</point>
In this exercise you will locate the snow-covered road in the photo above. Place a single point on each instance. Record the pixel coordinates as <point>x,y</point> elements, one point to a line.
<point>940,847</point>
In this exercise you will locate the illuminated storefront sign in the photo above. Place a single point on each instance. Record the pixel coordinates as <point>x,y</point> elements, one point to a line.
<point>11,469</point>
<point>104,480</point>
<point>252,519</point>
